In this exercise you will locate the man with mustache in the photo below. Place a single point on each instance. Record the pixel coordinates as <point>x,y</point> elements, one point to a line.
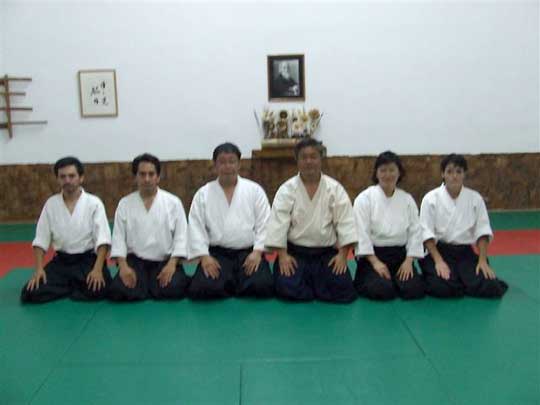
<point>75,224</point>
<point>149,239</point>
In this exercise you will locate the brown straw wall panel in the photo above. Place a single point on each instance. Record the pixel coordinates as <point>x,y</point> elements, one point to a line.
<point>507,181</point>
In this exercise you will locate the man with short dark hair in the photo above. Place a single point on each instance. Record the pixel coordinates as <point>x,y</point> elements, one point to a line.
<point>75,224</point>
<point>149,239</point>
<point>312,227</point>
<point>227,225</point>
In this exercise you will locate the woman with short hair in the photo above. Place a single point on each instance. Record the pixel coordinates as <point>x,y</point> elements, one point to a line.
<point>453,218</point>
<point>389,235</point>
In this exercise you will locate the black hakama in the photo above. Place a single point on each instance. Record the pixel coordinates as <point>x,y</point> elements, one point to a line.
<point>462,261</point>
<point>147,285</point>
<point>369,284</point>
<point>232,280</point>
<point>313,277</point>
<point>66,277</point>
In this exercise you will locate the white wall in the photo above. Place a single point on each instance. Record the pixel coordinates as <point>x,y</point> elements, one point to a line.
<point>418,77</point>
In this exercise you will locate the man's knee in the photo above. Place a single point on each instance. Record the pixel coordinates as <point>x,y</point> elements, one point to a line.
<point>380,289</point>
<point>487,289</point>
<point>440,288</point>
<point>413,289</point>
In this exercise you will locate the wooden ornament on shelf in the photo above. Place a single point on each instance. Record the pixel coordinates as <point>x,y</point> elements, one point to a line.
<point>7,94</point>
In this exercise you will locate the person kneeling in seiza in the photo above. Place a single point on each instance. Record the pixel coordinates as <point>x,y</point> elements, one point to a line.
<point>227,228</point>
<point>75,223</point>
<point>453,218</point>
<point>149,239</point>
<point>312,227</point>
<point>389,235</point>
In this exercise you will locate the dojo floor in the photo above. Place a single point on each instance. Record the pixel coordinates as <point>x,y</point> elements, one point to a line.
<point>467,351</point>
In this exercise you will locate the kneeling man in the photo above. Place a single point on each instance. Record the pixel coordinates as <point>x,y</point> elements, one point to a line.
<point>312,227</point>
<point>149,239</point>
<point>227,227</point>
<point>75,224</point>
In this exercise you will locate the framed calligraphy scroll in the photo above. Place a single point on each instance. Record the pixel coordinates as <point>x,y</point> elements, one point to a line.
<point>97,90</point>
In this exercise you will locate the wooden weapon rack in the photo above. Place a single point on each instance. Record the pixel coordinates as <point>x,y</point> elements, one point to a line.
<point>8,108</point>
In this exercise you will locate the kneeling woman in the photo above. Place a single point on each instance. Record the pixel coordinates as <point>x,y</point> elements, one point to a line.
<point>389,235</point>
<point>453,218</point>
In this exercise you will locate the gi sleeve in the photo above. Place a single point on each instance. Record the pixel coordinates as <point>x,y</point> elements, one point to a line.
<point>427,219</point>
<point>482,226</point>
<point>43,230</point>
<point>343,218</point>
<point>180,240</point>
<point>415,247</point>
<point>119,241</point>
<point>101,231</point>
<point>197,233</point>
<point>362,211</point>
<point>262,215</point>
<point>280,218</point>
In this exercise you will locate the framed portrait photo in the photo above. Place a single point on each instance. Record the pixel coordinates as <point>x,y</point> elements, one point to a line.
<point>286,78</point>
<point>97,91</point>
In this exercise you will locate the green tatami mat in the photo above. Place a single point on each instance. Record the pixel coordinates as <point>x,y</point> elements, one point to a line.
<point>20,232</point>
<point>521,271</point>
<point>403,381</point>
<point>239,330</point>
<point>501,220</point>
<point>17,232</point>
<point>207,383</point>
<point>458,352</point>
<point>487,351</point>
<point>33,339</point>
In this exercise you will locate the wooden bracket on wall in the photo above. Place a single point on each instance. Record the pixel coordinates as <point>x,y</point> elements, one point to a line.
<point>7,94</point>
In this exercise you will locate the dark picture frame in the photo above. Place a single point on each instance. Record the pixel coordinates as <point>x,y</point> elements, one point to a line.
<point>286,78</point>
